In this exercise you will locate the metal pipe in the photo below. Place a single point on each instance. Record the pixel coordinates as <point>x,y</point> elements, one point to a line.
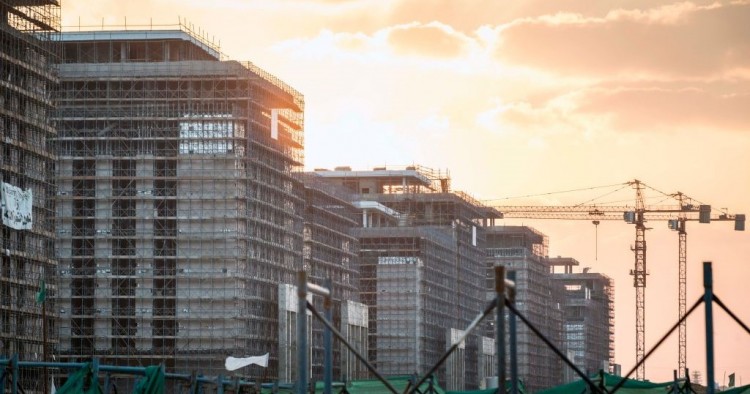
<point>500,326</point>
<point>328,341</point>
<point>107,382</point>
<point>14,364</point>
<point>301,332</point>
<point>95,371</point>
<point>319,290</point>
<point>220,384</point>
<point>512,327</point>
<point>708,298</point>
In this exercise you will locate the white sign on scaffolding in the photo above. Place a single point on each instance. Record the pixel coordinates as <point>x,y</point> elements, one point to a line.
<point>233,363</point>
<point>16,206</point>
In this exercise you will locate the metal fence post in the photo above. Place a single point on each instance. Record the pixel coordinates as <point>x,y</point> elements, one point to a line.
<point>301,332</point>
<point>328,340</point>
<point>500,326</point>
<point>14,365</point>
<point>708,299</point>
<point>512,327</point>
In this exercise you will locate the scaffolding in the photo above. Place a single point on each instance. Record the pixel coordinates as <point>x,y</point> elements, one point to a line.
<point>178,211</point>
<point>331,252</point>
<point>524,250</point>
<point>421,266</point>
<point>588,327</point>
<point>27,86</point>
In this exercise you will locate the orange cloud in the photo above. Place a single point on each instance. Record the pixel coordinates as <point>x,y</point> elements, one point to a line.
<point>682,40</point>
<point>432,39</point>
<point>672,109</point>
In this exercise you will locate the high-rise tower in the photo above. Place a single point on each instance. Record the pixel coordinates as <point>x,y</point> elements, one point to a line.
<point>178,212</point>
<point>27,259</point>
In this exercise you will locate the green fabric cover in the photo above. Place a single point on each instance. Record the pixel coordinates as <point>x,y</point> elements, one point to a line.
<point>610,381</point>
<point>521,390</point>
<point>77,381</point>
<point>737,390</point>
<point>370,386</point>
<point>375,386</point>
<point>152,383</point>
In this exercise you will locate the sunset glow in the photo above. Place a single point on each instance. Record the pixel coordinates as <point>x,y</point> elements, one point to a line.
<point>524,98</point>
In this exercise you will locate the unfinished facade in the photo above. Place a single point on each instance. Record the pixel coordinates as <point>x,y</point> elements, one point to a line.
<point>27,85</point>
<point>523,250</point>
<point>589,317</point>
<point>421,268</point>
<point>178,214</point>
<point>331,252</point>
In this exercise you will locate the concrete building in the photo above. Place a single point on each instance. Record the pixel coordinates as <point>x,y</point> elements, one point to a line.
<point>178,212</point>
<point>523,250</point>
<point>589,317</point>
<point>421,268</point>
<point>331,251</point>
<point>28,50</point>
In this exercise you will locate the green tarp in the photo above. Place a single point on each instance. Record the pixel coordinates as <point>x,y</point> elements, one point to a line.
<point>610,381</point>
<point>152,383</point>
<point>521,390</point>
<point>737,390</point>
<point>371,386</point>
<point>82,381</point>
<point>398,382</point>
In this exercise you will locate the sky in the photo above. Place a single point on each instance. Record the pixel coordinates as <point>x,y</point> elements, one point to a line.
<point>525,98</point>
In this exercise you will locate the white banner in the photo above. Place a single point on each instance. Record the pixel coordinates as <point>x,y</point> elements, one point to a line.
<point>15,205</point>
<point>275,124</point>
<point>233,363</point>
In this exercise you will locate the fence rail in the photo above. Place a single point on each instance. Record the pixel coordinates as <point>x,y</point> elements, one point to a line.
<point>505,298</point>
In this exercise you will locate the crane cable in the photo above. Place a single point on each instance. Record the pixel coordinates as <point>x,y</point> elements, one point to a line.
<point>558,192</point>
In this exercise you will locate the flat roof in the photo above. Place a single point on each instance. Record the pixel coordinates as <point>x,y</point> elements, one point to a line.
<point>138,35</point>
<point>561,261</point>
<point>413,175</point>
<point>376,206</point>
<point>31,3</point>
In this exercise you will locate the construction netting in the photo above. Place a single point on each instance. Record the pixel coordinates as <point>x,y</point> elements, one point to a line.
<point>609,382</point>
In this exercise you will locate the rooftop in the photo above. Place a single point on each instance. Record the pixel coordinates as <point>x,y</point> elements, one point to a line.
<point>142,35</point>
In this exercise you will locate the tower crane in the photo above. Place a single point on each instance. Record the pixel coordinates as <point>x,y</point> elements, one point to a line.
<point>676,214</point>
<point>679,225</point>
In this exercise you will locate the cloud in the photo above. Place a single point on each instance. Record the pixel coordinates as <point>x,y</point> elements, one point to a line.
<point>682,39</point>
<point>555,116</point>
<point>645,107</point>
<point>432,39</point>
<point>668,109</point>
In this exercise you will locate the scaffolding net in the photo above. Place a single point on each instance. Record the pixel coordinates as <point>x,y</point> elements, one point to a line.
<point>178,212</point>
<point>28,31</point>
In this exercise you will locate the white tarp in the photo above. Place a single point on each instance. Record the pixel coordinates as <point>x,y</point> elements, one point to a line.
<point>16,206</point>
<point>275,124</point>
<point>233,363</point>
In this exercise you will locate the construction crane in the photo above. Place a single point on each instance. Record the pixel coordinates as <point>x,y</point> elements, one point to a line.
<point>679,225</point>
<point>686,209</point>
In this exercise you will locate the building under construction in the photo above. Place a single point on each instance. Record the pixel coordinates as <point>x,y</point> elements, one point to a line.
<point>28,29</point>
<point>523,250</point>
<point>331,252</point>
<point>589,317</point>
<point>422,269</point>
<point>178,213</point>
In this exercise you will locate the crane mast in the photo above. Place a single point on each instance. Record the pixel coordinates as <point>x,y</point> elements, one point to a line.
<point>680,226</point>
<point>639,280</point>
<point>682,290</point>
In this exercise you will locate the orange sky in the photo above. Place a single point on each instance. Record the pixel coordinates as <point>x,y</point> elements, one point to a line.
<point>519,98</point>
